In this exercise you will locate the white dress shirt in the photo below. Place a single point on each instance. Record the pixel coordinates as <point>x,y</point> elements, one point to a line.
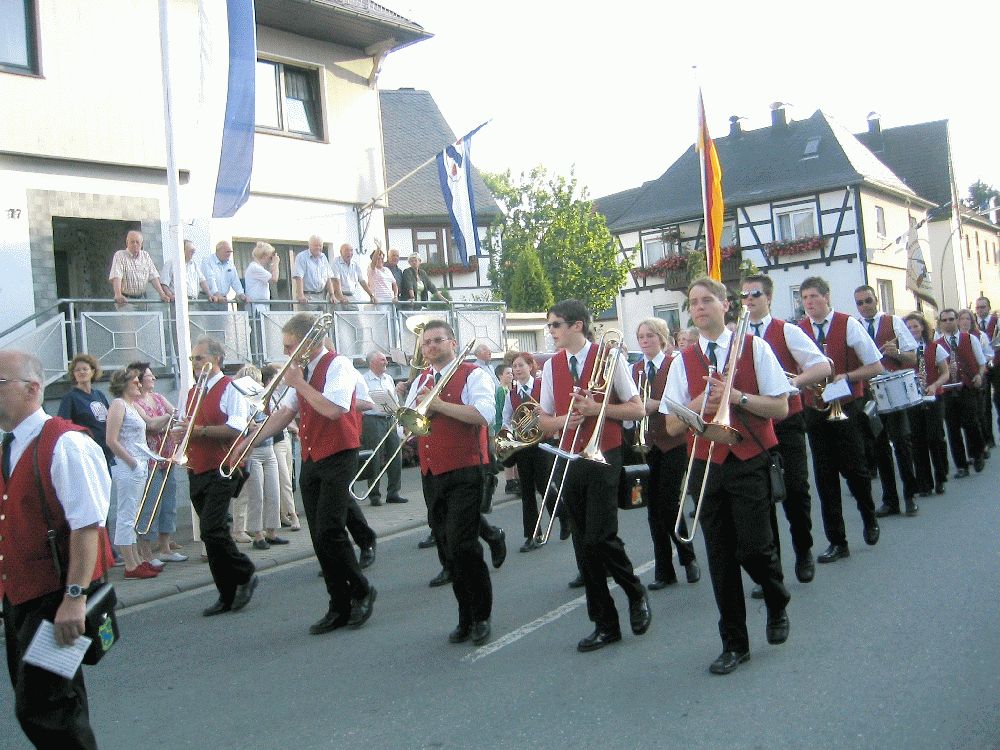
<point>802,348</point>
<point>233,404</point>
<point>623,385</point>
<point>508,407</point>
<point>350,275</point>
<point>904,339</point>
<point>193,273</point>
<point>977,349</point>
<point>342,383</point>
<point>478,392</point>
<point>857,338</point>
<point>221,275</point>
<point>79,471</point>
<point>258,281</point>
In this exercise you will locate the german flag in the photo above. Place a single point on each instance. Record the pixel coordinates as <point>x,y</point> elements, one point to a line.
<point>711,193</point>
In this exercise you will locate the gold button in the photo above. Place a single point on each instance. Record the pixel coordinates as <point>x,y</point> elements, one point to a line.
<point>3,518</point>
<point>3,577</point>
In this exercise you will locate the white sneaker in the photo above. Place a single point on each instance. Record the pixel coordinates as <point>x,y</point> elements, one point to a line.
<point>173,557</point>
<point>156,563</point>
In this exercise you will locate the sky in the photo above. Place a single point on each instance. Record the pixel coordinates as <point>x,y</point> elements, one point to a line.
<point>610,88</point>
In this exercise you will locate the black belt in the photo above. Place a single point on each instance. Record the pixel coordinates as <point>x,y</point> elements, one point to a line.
<point>134,296</point>
<point>376,416</point>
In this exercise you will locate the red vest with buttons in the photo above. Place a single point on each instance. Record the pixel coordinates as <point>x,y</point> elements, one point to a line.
<point>206,454</point>
<point>27,570</point>
<point>658,434</point>
<point>844,357</point>
<point>884,333</point>
<point>991,331</point>
<point>775,336</point>
<point>319,436</point>
<point>452,444</point>
<point>562,389</point>
<point>515,393</point>
<point>930,363</point>
<point>696,367</point>
<point>968,368</point>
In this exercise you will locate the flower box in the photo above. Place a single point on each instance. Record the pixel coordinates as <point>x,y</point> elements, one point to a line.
<point>795,247</point>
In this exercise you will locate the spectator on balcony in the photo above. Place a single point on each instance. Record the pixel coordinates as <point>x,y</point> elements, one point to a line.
<point>392,263</point>
<point>131,270</point>
<point>196,281</point>
<point>222,276</point>
<point>347,268</point>
<point>261,272</point>
<point>417,285</point>
<point>313,278</point>
<point>383,286</point>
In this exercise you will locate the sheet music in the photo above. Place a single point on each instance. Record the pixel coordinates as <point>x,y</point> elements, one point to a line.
<point>248,386</point>
<point>45,653</point>
<point>836,390</point>
<point>691,418</point>
<point>385,400</point>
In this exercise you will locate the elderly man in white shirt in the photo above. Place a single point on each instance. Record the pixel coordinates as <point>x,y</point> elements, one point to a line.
<point>196,281</point>
<point>313,279</point>
<point>221,274</point>
<point>378,424</point>
<point>348,270</point>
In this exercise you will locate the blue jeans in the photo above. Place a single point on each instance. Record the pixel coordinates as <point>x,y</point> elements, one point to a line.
<point>165,520</point>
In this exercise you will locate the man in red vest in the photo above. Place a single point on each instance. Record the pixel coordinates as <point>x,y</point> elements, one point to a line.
<point>74,477</point>
<point>323,396</point>
<point>221,417</point>
<point>968,367</point>
<point>837,447</point>
<point>453,459</point>
<point>590,489</point>
<point>988,324</point>
<point>737,501</point>
<point>800,358</point>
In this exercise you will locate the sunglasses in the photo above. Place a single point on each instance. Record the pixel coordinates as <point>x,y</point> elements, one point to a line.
<point>947,320</point>
<point>555,326</point>
<point>865,301</point>
<point>756,293</point>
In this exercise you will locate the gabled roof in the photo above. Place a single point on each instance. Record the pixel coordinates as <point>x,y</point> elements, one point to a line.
<point>917,154</point>
<point>766,164</point>
<point>615,205</point>
<point>414,130</point>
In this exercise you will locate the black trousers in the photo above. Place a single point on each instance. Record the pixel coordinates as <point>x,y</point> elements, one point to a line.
<point>51,710</point>
<point>895,437</point>
<point>994,381</point>
<point>533,468</point>
<point>961,415</point>
<point>735,517</point>
<point>837,450</point>
<point>666,472</point>
<point>326,501</point>
<point>453,503</point>
<point>357,525</point>
<point>591,497</point>
<point>986,412</point>
<point>791,433</point>
<point>929,447</point>
<point>210,496</point>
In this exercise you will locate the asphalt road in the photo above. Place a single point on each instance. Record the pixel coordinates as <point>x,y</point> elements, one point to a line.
<point>896,647</point>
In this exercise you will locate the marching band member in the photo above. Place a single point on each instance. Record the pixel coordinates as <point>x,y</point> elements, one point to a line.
<point>737,495</point>
<point>967,367</point>
<point>929,447</point>
<point>987,322</point>
<point>797,353</point>
<point>836,446</point>
<point>967,323</point>
<point>590,489</point>
<point>667,459</point>
<point>323,395</point>
<point>452,461</point>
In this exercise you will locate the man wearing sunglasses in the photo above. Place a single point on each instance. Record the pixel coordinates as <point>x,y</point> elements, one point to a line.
<point>806,365</point>
<point>968,367</point>
<point>898,348</point>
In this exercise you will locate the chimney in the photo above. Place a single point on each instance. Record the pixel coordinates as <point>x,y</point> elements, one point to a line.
<point>874,124</point>
<point>778,119</point>
<point>735,129</point>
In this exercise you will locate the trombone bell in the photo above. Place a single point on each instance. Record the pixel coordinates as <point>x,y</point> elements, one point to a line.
<point>721,433</point>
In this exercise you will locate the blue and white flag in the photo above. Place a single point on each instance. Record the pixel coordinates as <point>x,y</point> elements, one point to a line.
<point>232,187</point>
<point>455,173</point>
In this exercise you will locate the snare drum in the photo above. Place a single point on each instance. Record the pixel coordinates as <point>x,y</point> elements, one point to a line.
<point>895,391</point>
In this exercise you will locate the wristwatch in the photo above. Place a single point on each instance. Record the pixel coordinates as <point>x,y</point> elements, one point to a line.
<point>73,591</point>
<point>744,399</point>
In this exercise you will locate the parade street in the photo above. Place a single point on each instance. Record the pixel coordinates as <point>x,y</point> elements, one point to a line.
<point>895,647</point>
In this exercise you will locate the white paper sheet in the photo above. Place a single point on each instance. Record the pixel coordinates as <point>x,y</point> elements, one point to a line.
<point>44,652</point>
<point>838,389</point>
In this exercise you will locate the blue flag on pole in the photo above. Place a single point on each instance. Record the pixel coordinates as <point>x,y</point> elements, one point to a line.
<point>232,188</point>
<point>455,172</point>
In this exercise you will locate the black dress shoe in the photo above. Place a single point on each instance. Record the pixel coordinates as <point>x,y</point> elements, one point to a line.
<point>564,531</point>
<point>939,488</point>
<point>979,464</point>
<point>397,500</point>
<point>925,493</point>
<point>216,609</point>
<point>361,609</point>
<point>805,569</point>
<point>460,634</point>
<point>528,546</point>
<point>728,661</point>
<point>244,592</point>
<point>480,632</point>
<point>886,510</point>
<point>577,583</point>
<point>330,621</point>
<point>598,639</point>
<point>962,473</point>
<point>658,584</point>
<point>757,592</point>
<point>833,552</point>
<point>375,501</point>
<point>441,579</point>
<point>639,614</point>
<point>367,556</point>
<point>498,548</point>
<point>693,572</point>
<point>277,540</point>
<point>911,507</point>
<point>427,543</point>
<point>777,626</point>
<point>871,533</point>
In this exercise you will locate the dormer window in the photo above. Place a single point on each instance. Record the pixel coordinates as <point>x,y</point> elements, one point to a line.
<point>811,150</point>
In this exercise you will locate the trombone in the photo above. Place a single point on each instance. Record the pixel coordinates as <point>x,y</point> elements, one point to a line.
<point>179,456</point>
<point>414,420</point>
<point>719,430</point>
<point>600,384</point>
<point>261,404</point>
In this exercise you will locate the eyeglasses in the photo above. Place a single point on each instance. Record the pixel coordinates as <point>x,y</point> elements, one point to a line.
<point>756,293</point>
<point>439,340</point>
<point>947,320</point>
<point>3,381</point>
<point>865,301</point>
<point>556,325</point>
<point>198,358</point>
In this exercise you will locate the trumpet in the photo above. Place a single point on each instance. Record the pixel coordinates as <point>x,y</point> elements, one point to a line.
<point>834,407</point>
<point>179,456</point>
<point>261,405</point>
<point>414,421</point>
<point>523,432</point>
<point>641,445</point>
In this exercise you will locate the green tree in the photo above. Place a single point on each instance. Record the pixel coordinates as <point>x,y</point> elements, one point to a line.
<point>530,289</point>
<point>554,217</point>
<point>980,194</point>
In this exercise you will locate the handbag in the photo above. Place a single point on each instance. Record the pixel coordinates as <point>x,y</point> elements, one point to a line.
<point>632,487</point>
<point>100,623</point>
<point>775,467</point>
<point>874,420</point>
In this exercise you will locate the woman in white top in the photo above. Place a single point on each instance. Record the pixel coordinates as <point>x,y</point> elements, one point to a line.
<point>381,281</point>
<point>126,438</point>
<point>260,274</point>
<point>967,323</point>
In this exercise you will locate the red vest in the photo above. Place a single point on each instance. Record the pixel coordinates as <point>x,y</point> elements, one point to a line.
<point>26,567</point>
<point>696,367</point>
<point>206,454</point>
<point>452,444</point>
<point>884,333</point>
<point>319,436</point>
<point>930,363</point>
<point>515,398</point>
<point>658,434</point>
<point>844,357</point>
<point>775,336</point>
<point>968,368</point>
<point>562,388</point>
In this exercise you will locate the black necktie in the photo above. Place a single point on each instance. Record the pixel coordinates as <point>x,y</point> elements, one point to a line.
<point>821,336</point>
<point>756,328</point>
<point>982,324</point>
<point>7,440</point>
<point>437,377</point>
<point>524,393</point>
<point>305,373</point>
<point>712,359</point>
<point>871,328</point>
<point>573,371</point>
<point>954,343</point>
<point>650,372</point>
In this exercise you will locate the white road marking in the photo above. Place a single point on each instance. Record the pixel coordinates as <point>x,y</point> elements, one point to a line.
<point>515,635</point>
